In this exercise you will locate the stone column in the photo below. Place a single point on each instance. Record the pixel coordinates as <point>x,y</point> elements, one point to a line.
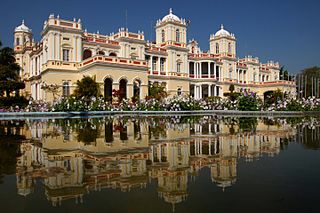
<point>158,65</point>
<point>74,49</point>
<point>214,90</point>
<point>209,69</point>
<point>59,47</point>
<point>215,70</point>
<point>151,68</point>
<point>209,90</point>
<point>238,75</point>
<point>200,91</point>
<point>200,69</point>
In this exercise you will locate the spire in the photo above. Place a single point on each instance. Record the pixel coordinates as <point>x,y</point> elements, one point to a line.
<point>170,10</point>
<point>22,21</point>
<point>222,26</point>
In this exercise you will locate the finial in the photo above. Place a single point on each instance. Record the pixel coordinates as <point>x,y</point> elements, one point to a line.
<point>222,26</point>
<point>170,10</point>
<point>58,16</point>
<point>22,21</point>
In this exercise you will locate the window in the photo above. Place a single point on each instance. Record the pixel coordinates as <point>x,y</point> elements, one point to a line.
<point>163,36</point>
<point>161,64</point>
<point>18,41</point>
<point>229,48</point>
<point>179,91</point>
<point>86,54</point>
<point>217,48</point>
<point>177,35</point>
<point>254,77</point>
<point>100,52</point>
<point>154,64</point>
<point>66,54</point>
<point>66,89</point>
<point>178,67</point>
<point>113,54</point>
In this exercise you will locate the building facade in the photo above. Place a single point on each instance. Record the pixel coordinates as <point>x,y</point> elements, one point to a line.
<point>127,62</point>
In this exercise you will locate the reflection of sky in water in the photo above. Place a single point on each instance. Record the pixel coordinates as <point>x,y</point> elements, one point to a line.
<point>130,164</point>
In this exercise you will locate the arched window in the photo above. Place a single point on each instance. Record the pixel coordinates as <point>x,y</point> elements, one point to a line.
<point>229,48</point>
<point>178,66</point>
<point>217,48</point>
<point>100,52</point>
<point>177,35</point>
<point>113,54</point>
<point>179,91</point>
<point>163,36</point>
<point>17,41</point>
<point>86,54</point>
<point>66,54</point>
<point>66,89</point>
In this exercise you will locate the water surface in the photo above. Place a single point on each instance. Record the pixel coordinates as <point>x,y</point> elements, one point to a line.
<point>160,164</point>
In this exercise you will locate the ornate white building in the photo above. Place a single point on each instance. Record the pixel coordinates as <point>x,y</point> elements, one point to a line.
<point>126,61</point>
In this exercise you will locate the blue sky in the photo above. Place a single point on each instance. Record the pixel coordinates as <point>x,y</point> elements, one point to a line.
<point>281,30</point>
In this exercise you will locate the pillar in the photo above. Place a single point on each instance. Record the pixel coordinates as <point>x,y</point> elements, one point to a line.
<point>59,47</point>
<point>215,70</point>
<point>158,63</point>
<point>151,70</point>
<point>209,90</point>
<point>200,70</point>
<point>209,69</point>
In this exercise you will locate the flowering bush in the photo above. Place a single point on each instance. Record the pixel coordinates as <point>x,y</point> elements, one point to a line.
<point>37,106</point>
<point>184,103</point>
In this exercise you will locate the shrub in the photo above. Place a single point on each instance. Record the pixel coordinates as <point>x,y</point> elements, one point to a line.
<point>248,103</point>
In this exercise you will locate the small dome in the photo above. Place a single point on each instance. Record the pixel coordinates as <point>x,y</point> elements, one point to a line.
<point>23,28</point>
<point>222,32</point>
<point>171,17</point>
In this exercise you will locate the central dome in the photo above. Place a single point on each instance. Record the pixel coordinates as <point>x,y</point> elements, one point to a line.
<point>222,32</point>
<point>170,17</point>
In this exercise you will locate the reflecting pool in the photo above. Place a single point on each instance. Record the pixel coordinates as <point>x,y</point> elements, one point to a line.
<point>160,164</point>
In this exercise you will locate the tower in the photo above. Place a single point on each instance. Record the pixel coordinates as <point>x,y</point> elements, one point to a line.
<point>22,37</point>
<point>223,42</point>
<point>223,45</point>
<point>22,47</point>
<point>171,33</point>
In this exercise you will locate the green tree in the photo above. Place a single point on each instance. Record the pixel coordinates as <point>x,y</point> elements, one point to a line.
<point>9,73</point>
<point>86,88</point>
<point>157,91</point>
<point>231,88</point>
<point>284,74</point>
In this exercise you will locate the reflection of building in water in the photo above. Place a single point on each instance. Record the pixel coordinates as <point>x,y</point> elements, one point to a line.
<point>126,154</point>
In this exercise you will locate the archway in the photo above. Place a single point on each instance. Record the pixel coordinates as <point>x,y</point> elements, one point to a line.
<point>136,89</point>
<point>86,54</point>
<point>123,89</point>
<point>100,52</point>
<point>113,54</point>
<point>108,89</point>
